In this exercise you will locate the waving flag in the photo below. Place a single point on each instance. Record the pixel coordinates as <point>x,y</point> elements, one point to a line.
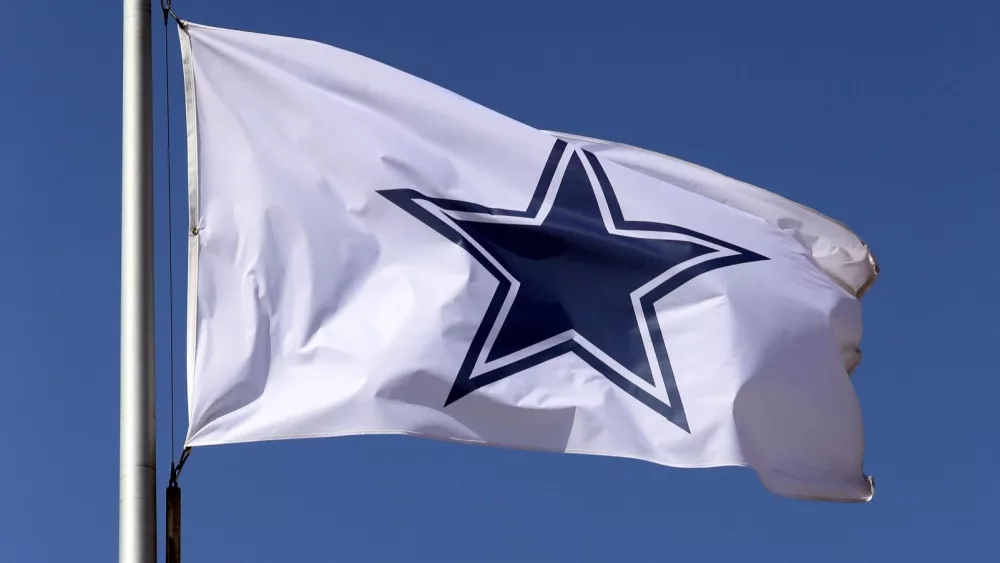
<point>371,253</point>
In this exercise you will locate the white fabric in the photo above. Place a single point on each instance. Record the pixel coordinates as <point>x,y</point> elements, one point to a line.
<point>840,253</point>
<point>836,250</point>
<point>319,308</point>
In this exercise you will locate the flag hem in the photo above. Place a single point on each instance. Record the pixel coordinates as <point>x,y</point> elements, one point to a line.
<point>194,219</point>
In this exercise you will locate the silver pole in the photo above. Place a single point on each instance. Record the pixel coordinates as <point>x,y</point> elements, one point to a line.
<point>137,464</point>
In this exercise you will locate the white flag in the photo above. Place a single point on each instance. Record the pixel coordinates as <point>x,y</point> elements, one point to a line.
<point>371,253</point>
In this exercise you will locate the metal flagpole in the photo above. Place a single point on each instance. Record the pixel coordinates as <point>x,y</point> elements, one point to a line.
<point>137,463</point>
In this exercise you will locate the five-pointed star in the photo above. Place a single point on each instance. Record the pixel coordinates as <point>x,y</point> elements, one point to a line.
<point>571,284</point>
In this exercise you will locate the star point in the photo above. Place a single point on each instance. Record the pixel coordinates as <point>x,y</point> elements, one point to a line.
<point>574,283</point>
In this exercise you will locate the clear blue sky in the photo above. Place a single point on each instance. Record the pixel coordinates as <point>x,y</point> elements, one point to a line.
<point>883,115</point>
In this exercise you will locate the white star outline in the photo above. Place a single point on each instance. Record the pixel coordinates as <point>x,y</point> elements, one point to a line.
<point>658,390</point>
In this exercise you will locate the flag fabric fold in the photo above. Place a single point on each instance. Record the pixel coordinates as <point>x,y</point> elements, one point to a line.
<point>835,250</point>
<point>373,254</point>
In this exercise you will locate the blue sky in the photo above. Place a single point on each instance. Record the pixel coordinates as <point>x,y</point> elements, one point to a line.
<point>882,115</point>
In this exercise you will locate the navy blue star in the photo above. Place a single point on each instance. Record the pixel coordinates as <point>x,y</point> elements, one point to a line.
<point>572,281</point>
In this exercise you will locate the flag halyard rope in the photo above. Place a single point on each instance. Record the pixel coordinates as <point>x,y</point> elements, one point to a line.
<point>165,5</point>
<point>175,466</point>
<point>173,492</point>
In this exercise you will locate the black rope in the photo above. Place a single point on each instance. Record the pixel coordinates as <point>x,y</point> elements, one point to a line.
<point>169,12</point>
<point>173,492</point>
<point>175,467</point>
<point>165,6</point>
